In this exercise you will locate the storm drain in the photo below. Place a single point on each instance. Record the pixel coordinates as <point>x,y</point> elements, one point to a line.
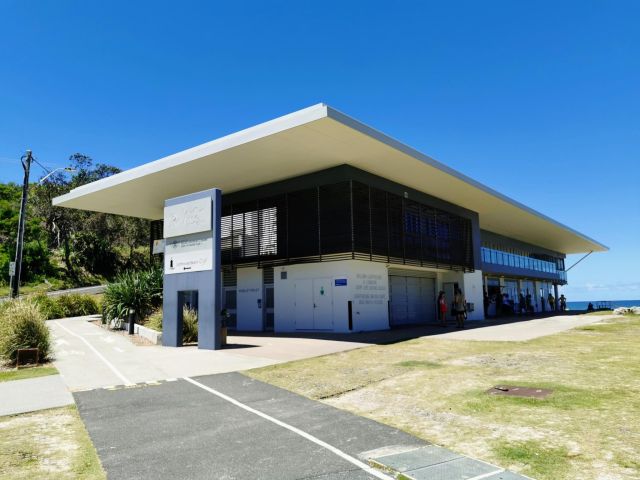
<point>514,391</point>
<point>437,463</point>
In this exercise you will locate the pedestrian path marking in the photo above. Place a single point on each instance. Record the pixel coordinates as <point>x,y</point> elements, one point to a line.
<point>98,354</point>
<point>363,466</point>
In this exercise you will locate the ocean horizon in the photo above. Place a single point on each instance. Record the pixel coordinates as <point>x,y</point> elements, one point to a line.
<point>582,305</point>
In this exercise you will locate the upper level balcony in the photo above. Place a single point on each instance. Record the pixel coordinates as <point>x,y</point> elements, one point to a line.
<point>498,261</point>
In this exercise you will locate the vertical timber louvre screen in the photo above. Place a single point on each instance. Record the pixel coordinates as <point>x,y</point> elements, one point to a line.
<point>340,221</point>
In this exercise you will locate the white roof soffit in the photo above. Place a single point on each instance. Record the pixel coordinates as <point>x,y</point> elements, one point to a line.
<point>306,141</point>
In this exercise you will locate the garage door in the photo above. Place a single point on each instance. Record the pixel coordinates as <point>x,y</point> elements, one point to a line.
<point>411,300</point>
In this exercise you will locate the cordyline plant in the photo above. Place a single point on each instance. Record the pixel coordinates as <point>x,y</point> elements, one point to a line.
<point>133,293</point>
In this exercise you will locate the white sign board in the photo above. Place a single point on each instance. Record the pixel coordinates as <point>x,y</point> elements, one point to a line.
<point>188,217</point>
<point>158,246</point>
<point>189,253</point>
<point>12,269</point>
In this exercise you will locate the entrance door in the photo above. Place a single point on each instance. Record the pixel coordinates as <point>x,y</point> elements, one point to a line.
<point>398,300</point>
<point>428,300</point>
<point>267,300</point>
<point>322,304</point>
<point>229,296</point>
<point>449,289</point>
<point>412,300</point>
<point>414,313</point>
<point>304,304</point>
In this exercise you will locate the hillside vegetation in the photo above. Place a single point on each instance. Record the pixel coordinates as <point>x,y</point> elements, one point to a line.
<point>66,248</point>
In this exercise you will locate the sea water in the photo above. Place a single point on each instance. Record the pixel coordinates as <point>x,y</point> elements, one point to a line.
<point>611,303</point>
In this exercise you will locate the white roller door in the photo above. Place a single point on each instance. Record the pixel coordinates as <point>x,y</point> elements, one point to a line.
<point>411,300</point>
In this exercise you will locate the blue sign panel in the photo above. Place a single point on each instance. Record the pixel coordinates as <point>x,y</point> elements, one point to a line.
<point>341,282</point>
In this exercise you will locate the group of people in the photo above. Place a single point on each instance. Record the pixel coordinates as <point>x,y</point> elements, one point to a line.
<point>458,308</point>
<point>562,302</point>
<point>506,306</point>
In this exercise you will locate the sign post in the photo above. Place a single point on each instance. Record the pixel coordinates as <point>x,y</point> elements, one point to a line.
<point>192,267</point>
<point>12,272</point>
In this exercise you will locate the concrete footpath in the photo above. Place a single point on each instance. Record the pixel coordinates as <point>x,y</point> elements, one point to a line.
<point>230,426</point>
<point>31,394</point>
<point>522,330</point>
<point>88,356</point>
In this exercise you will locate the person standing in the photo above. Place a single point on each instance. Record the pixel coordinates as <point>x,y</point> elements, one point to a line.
<point>486,302</point>
<point>460,305</point>
<point>442,309</point>
<point>552,302</point>
<point>563,302</point>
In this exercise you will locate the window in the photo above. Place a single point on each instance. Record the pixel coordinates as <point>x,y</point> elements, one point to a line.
<point>250,234</point>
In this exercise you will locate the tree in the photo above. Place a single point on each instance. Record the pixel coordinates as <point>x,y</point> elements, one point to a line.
<point>95,242</point>
<point>36,256</point>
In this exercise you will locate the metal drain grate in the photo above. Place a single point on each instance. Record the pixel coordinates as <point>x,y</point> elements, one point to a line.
<point>514,391</point>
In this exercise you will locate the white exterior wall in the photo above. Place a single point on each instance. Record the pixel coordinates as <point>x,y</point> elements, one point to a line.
<point>314,296</point>
<point>249,299</point>
<point>472,288</point>
<point>367,287</point>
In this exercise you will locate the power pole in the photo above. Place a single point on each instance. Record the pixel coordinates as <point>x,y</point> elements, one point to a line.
<point>26,165</point>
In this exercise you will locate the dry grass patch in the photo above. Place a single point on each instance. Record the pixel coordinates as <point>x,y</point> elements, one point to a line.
<point>435,389</point>
<point>51,444</point>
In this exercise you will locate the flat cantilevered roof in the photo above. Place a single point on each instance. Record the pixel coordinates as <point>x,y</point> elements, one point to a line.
<point>307,141</point>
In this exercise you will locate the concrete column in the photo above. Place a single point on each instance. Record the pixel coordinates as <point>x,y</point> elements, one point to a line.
<point>555,294</point>
<point>192,264</point>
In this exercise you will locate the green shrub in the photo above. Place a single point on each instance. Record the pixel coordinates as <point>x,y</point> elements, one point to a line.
<point>22,326</point>
<point>71,305</point>
<point>154,321</point>
<point>76,305</point>
<point>48,306</point>
<point>136,293</point>
<point>189,324</point>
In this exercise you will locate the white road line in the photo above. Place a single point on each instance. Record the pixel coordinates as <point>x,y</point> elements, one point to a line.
<point>485,475</point>
<point>317,441</point>
<point>106,362</point>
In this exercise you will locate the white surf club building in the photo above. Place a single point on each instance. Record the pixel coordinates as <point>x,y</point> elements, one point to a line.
<point>329,225</point>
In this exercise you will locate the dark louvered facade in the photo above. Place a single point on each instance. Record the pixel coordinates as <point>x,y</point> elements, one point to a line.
<point>339,220</point>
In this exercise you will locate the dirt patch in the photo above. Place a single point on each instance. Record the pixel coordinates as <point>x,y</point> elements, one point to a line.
<point>47,444</point>
<point>509,360</point>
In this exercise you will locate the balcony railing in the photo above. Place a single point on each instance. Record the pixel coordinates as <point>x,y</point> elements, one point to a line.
<point>498,257</point>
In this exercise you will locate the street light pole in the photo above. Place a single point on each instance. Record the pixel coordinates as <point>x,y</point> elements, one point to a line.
<point>26,165</point>
<point>66,169</point>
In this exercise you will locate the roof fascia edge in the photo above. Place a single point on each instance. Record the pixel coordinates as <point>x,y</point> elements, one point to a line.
<point>276,125</point>
<point>393,143</point>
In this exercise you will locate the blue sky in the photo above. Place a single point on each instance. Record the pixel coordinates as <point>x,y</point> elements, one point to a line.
<point>539,100</point>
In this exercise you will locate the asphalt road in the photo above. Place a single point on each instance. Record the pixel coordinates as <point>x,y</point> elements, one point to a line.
<point>246,429</point>
<point>80,290</point>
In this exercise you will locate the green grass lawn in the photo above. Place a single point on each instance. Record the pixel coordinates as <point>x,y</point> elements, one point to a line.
<point>22,373</point>
<point>51,444</point>
<point>589,428</point>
